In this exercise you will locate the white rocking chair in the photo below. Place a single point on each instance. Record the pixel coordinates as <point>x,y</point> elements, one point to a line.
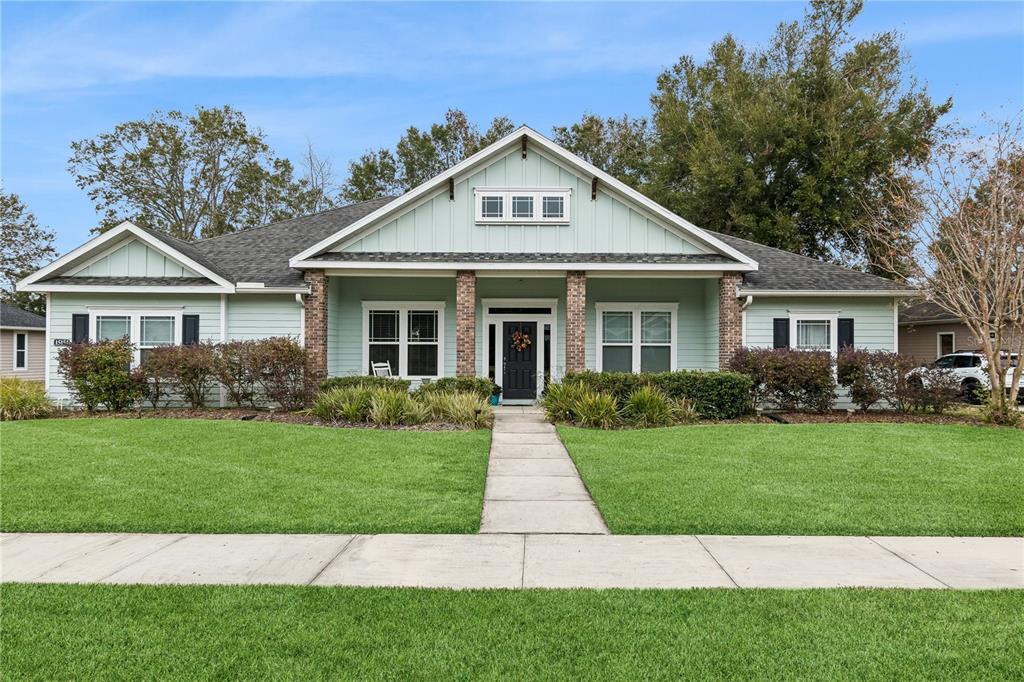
<point>381,369</point>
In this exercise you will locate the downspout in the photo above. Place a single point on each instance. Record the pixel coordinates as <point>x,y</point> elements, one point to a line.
<point>223,338</point>
<point>302,319</point>
<point>743,318</point>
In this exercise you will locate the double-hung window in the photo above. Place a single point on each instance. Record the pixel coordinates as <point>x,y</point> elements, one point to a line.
<point>20,350</point>
<point>145,329</point>
<point>814,332</point>
<point>636,337</point>
<point>407,336</point>
<point>526,205</point>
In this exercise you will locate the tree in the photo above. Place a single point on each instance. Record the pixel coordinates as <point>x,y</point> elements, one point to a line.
<point>198,175</point>
<point>319,178</point>
<point>419,156</point>
<point>24,247</point>
<point>778,144</point>
<point>966,209</point>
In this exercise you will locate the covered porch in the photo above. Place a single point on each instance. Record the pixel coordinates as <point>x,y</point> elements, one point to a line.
<point>520,328</point>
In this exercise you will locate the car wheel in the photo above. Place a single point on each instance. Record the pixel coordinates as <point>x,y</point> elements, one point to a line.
<point>969,392</point>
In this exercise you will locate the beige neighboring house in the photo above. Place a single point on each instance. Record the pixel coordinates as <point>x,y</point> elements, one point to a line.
<point>928,332</point>
<point>22,344</point>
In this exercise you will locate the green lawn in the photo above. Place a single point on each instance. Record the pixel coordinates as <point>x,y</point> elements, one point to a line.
<point>140,632</point>
<point>811,479</point>
<point>179,475</point>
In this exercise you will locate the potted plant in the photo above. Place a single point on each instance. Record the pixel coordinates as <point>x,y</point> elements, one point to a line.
<point>495,394</point>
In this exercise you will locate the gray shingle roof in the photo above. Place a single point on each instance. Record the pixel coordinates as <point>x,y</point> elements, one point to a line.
<point>134,281</point>
<point>780,270</point>
<point>260,254</point>
<point>523,258</point>
<point>925,311</point>
<point>16,317</point>
<point>191,250</point>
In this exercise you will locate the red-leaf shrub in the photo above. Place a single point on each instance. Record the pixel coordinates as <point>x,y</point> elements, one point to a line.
<point>98,374</point>
<point>192,370</point>
<point>789,379</point>
<point>233,369</point>
<point>279,366</point>
<point>156,374</point>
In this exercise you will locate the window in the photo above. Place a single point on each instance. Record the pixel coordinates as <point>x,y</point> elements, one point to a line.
<point>814,332</point>
<point>407,336</point>
<point>498,205</point>
<point>20,350</point>
<point>636,337</point>
<point>945,342</point>
<point>145,329</point>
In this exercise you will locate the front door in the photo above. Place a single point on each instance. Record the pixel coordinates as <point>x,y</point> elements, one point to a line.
<point>519,360</point>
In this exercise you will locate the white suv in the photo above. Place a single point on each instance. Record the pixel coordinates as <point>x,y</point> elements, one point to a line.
<point>971,367</point>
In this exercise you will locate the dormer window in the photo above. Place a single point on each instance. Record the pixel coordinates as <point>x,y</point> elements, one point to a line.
<point>505,205</point>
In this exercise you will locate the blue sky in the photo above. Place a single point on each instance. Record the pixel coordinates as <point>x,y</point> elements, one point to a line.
<point>349,77</point>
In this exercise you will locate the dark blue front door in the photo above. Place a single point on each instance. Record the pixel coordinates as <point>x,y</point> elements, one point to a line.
<point>519,360</point>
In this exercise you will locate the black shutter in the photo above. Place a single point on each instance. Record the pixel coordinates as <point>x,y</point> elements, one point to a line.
<point>781,330</point>
<point>845,332</point>
<point>189,330</point>
<point>79,328</point>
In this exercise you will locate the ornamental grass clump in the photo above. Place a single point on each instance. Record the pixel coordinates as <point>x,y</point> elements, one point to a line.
<point>597,410</point>
<point>468,409</point>
<point>560,401</point>
<point>389,407</point>
<point>349,404</point>
<point>20,399</point>
<point>647,407</point>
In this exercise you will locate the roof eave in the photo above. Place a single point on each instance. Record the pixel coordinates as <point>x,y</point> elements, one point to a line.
<point>890,293</point>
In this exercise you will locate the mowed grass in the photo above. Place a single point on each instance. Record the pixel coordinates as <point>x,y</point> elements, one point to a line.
<point>168,632</point>
<point>204,476</point>
<point>805,479</point>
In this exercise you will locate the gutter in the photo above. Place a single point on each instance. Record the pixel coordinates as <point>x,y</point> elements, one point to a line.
<point>885,293</point>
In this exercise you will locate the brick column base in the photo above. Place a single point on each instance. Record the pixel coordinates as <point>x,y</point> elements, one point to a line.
<point>465,323</point>
<point>315,330</point>
<point>575,321</point>
<point>730,319</point>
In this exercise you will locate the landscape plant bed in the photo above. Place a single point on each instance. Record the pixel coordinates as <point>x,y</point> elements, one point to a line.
<point>881,417</point>
<point>229,476</point>
<point>805,479</point>
<point>97,632</point>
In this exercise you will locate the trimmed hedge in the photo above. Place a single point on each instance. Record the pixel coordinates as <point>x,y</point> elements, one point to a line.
<point>477,385</point>
<point>715,395</point>
<point>365,382</point>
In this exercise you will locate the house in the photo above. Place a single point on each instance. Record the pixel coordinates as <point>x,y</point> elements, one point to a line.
<point>22,344</point>
<point>927,332</point>
<point>520,263</point>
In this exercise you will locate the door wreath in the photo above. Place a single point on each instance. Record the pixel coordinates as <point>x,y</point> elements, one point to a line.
<point>520,340</point>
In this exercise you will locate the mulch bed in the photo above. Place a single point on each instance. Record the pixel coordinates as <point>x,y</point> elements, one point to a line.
<point>237,414</point>
<point>878,417</point>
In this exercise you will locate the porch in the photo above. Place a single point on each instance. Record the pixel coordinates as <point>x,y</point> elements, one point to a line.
<point>521,329</point>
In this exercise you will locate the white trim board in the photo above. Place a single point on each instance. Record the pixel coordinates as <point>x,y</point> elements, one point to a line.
<point>403,308</point>
<point>636,343</point>
<point>498,319</point>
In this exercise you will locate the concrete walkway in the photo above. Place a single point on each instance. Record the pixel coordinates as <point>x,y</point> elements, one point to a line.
<point>514,561</point>
<point>532,484</point>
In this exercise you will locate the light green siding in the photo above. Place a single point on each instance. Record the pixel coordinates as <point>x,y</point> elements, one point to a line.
<point>135,259</point>
<point>345,315</point>
<point>518,289</point>
<point>696,344</point>
<point>64,305</point>
<point>257,316</point>
<point>606,225</point>
<point>873,321</point>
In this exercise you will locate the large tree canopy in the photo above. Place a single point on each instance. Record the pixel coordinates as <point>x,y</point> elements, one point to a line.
<point>419,156</point>
<point>191,176</point>
<point>24,247</point>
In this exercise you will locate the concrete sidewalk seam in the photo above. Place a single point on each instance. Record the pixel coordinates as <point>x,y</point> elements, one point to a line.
<point>141,558</point>
<point>719,563</point>
<point>333,559</point>
<point>908,562</point>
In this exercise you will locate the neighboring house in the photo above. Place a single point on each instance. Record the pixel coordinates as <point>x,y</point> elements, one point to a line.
<point>520,263</point>
<point>928,332</point>
<point>22,344</point>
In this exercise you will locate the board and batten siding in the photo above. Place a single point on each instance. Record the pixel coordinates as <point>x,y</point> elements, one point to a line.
<point>694,338</point>
<point>345,296</point>
<point>35,340</point>
<point>605,225</point>
<point>134,259</point>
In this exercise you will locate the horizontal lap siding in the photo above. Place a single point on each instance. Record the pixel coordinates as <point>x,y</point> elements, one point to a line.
<point>36,351</point>
<point>258,316</point>
<point>64,305</point>
<point>345,315</point>
<point>694,340</point>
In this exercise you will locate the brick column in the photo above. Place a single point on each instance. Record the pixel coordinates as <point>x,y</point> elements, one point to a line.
<point>575,321</point>
<point>730,318</point>
<point>315,331</point>
<point>465,323</point>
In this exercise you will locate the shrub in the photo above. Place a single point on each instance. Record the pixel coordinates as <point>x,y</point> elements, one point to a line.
<point>618,384</point>
<point>647,407</point>
<point>98,374</point>
<point>463,408</point>
<point>156,374</point>
<point>789,379</point>
<point>753,362</point>
<point>20,399</point>
<point>934,389</point>
<point>350,404</point>
<point>191,369</point>
<point>390,407</point>
<point>278,364</point>
<point>365,382</point>
<point>233,369</point>
<point>715,395</point>
<point>559,401</point>
<point>599,410</point>
<point>479,385</point>
<point>684,411</point>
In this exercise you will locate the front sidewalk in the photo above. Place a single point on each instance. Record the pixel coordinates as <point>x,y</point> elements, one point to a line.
<point>514,560</point>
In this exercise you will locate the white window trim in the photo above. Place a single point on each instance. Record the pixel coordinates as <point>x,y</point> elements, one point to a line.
<point>831,318</point>
<point>538,195</point>
<point>15,366</point>
<point>637,343</point>
<point>403,308</point>
<point>135,316</point>
<point>938,343</point>
<point>498,320</point>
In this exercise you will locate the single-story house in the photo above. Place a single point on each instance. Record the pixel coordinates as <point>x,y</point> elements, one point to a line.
<point>520,263</point>
<point>22,344</point>
<point>929,331</point>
